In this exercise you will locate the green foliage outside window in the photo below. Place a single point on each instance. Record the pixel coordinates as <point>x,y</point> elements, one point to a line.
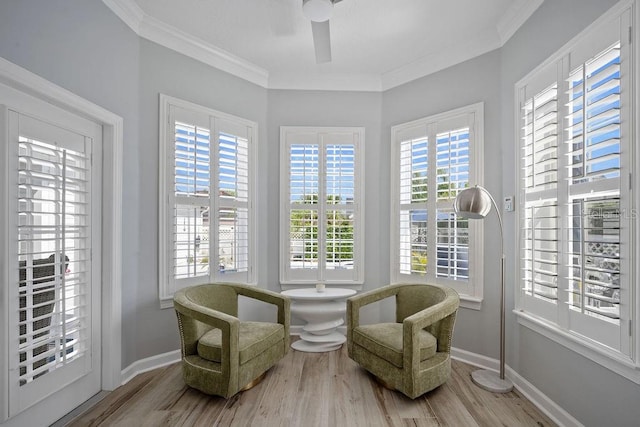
<point>304,226</point>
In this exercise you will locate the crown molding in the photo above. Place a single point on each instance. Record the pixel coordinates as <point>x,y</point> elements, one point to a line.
<point>178,40</point>
<point>173,38</point>
<point>170,37</point>
<point>516,15</point>
<point>128,11</point>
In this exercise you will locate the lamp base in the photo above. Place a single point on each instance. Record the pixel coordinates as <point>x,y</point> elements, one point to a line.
<point>491,381</point>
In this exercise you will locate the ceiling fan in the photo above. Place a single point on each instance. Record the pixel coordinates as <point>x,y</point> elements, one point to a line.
<point>319,12</point>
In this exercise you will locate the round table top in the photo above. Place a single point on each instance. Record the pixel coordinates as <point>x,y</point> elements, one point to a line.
<point>313,294</point>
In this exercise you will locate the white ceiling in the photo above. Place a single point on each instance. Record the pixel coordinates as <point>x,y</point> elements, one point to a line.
<point>376,44</point>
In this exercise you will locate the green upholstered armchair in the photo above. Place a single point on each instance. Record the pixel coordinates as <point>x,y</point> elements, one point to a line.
<point>222,354</point>
<point>411,355</point>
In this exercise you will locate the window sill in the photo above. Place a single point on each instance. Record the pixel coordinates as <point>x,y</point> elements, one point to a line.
<point>470,302</point>
<point>616,362</point>
<point>285,286</point>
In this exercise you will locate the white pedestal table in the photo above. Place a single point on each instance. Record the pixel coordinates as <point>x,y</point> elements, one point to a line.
<point>324,312</point>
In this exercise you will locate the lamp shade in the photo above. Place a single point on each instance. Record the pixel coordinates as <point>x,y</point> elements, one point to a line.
<point>317,10</point>
<point>473,203</point>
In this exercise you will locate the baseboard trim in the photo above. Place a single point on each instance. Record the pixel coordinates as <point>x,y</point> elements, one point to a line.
<point>541,401</point>
<point>528,390</point>
<point>148,364</point>
<point>474,359</point>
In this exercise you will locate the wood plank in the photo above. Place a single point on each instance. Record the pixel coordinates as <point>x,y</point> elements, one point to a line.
<point>448,408</point>
<point>357,399</point>
<point>310,389</point>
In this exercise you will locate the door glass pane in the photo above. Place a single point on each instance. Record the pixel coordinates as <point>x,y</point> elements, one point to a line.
<point>53,255</point>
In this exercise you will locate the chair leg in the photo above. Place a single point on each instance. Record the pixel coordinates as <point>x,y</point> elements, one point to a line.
<point>255,382</point>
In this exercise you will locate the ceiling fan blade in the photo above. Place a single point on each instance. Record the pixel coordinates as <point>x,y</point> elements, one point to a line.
<point>321,41</point>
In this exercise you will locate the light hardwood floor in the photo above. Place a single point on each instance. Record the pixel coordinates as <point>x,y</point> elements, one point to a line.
<point>310,389</point>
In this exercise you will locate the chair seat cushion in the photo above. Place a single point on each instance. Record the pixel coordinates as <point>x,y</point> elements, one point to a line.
<point>385,341</point>
<point>254,338</point>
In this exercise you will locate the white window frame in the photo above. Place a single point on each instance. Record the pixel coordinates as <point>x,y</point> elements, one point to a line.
<point>471,290</point>
<point>167,283</point>
<point>322,136</point>
<point>554,324</point>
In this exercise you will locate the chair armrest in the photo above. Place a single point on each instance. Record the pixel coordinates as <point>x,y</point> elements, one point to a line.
<point>260,294</point>
<point>413,324</point>
<point>229,325</point>
<point>431,315</point>
<point>356,302</point>
<point>209,316</point>
<point>282,302</point>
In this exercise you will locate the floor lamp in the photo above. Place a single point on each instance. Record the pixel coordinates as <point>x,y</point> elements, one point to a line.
<point>475,203</point>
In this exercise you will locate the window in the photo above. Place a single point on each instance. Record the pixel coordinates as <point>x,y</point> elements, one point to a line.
<point>433,159</point>
<point>576,216</point>
<point>206,206</point>
<point>322,191</point>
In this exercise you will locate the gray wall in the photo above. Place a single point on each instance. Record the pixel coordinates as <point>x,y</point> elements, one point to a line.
<point>473,81</point>
<point>166,71</point>
<point>594,395</point>
<point>322,108</point>
<point>82,46</point>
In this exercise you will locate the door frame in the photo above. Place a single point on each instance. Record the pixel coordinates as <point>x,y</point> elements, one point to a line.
<point>26,82</point>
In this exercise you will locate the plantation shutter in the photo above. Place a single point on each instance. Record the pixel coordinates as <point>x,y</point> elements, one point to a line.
<point>232,185</point>
<point>191,196</point>
<point>304,190</point>
<point>452,176</point>
<point>339,199</point>
<point>434,159</point>
<point>321,205</point>
<point>575,236</point>
<point>594,206</point>
<point>208,198</point>
<point>51,296</point>
<point>539,227</point>
<point>414,190</point>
